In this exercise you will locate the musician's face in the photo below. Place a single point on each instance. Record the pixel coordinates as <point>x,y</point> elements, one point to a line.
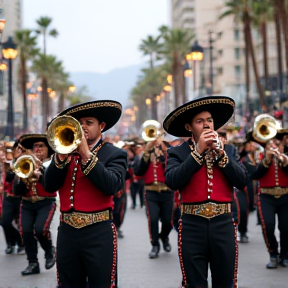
<point>91,128</point>
<point>40,150</point>
<point>199,123</point>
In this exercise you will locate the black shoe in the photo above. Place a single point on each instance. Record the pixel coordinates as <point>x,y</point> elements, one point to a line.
<point>166,245</point>
<point>244,238</point>
<point>33,268</point>
<point>283,262</point>
<point>120,234</point>
<point>21,250</point>
<point>273,263</point>
<point>9,249</point>
<point>154,252</point>
<point>50,259</point>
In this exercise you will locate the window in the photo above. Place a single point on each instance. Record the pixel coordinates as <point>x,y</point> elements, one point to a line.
<point>237,53</point>
<point>220,53</point>
<point>236,34</point>
<point>237,71</point>
<point>219,35</point>
<point>220,70</point>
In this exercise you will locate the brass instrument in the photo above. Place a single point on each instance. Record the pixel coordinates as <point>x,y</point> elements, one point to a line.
<point>151,130</point>
<point>265,128</point>
<point>64,134</point>
<point>24,166</point>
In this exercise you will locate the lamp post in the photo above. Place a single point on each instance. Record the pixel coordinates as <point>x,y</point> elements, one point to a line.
<point>9,52</point>
<point>195,55</point>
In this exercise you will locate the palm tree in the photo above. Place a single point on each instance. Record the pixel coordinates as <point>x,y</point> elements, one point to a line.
<point>241,10</point>
<point>151,46</point>
<point>48,69</point>
<point>27,50</point>
<point>263,13</point>
<point>43,23</point>
<point>176,45</point>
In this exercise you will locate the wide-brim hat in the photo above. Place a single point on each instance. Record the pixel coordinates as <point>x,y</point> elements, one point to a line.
<point>281,133</point>
<point>220,107</point>
<point>27,141</point>
<point>250,138</point>
<point>108,111</point>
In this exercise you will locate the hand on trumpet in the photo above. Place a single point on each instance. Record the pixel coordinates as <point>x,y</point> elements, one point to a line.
<point>209,140</point>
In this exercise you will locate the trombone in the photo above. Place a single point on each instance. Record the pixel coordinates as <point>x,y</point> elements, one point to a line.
<point>64,134</point>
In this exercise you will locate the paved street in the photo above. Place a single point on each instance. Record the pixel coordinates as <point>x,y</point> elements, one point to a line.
<point>136,270</point>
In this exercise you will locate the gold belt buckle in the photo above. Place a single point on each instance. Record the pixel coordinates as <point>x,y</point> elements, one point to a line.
<point>208,210</point>
<point>79,220</point>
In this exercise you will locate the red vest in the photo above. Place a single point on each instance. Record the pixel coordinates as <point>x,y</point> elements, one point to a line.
<point>196,190</point>
<point>269,179</point>
<point>41,192</point>
<point>86,197</point>
<point>154,173</point>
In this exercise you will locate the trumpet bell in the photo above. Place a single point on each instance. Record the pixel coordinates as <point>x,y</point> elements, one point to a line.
<point>265,128</point>
<point>24,166</point>
<point>64,134</point>
<point>151,130</point>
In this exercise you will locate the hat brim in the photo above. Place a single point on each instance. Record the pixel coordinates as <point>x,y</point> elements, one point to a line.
<point>281,133</point>
<point>27,141</point>
<point>107,111</point>
<point>220,107</point>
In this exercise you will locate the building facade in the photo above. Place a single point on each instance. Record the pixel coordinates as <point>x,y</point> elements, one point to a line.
<point>11,11</point>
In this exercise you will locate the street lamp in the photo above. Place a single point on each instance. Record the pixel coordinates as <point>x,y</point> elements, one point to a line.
<point>2,25</point>
<point>9,52</point>
<point>195,55</point>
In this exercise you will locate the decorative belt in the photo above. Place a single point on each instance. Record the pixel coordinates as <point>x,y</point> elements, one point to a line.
<point>157,186</point>
<point>79,220</point>
<point>33,198</point>
<point>206,210</point>
<point>277,192</point>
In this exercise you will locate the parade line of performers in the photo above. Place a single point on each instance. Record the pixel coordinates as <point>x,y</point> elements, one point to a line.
<point>197,182</point>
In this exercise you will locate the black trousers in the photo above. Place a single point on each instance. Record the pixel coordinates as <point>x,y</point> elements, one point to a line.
<point>202,241</point>
<point>137,188</point>
<point>119,209</point>
<point>243,201</point>
<point>10,212</point>
<point>90,252</point>
<point>35,222</point>
<point>159,206</point>
<point>269,207</point>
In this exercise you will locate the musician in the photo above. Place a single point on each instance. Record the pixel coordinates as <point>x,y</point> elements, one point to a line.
<point>87,180</point>
<point>11,203</point>
<point>205,172</point>
<point>38,206</point>
<point>159,198</point>
<point>272,174</point>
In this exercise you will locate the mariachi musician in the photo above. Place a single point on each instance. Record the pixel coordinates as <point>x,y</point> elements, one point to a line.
<point>88,173</point>
<point>11,202</point>
<point>205,172</point>
<point>272,174</point>
<point>38,206</point>
<point>159,198</point>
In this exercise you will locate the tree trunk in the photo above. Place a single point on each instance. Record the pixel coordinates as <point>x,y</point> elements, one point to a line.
<point>61,102</point>
<point>255,67</point>
<point>283,20</point>
<point>184,92</point>
<point>177,86</point>
<point>247,73</point>
<point>279,45</point>
<point>265,54</point>
<point>45,104</point>
<point>24,97</point>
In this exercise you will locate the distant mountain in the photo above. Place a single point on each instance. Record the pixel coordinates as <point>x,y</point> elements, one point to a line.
<point>114,85</point>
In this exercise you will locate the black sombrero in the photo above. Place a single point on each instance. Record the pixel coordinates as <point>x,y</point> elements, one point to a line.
<point>108,111</point>
<point>220,107</point>
<point>27,141</point>
<point>281,133</point>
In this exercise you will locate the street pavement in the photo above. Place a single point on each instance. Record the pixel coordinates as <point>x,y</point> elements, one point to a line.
<point>136,270</point>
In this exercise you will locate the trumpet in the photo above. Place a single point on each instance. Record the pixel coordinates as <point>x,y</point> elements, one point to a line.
<point>24,166</point>
<point>64,134</point>
<point>151,130</point>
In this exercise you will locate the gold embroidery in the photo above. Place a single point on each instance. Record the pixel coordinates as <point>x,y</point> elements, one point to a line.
<point>79,220</point>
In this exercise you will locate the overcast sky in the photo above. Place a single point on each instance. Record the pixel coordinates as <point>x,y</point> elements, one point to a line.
<point>98,35</point>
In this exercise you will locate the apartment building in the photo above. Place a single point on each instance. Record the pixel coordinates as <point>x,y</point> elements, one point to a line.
<point>228,54</point>
<point>10,10</point>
